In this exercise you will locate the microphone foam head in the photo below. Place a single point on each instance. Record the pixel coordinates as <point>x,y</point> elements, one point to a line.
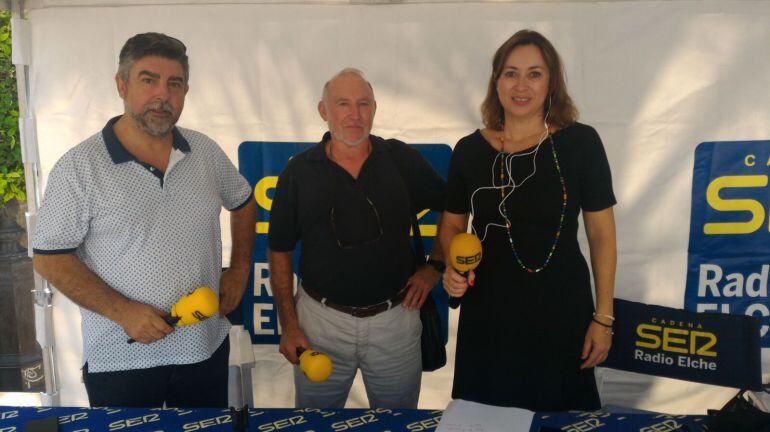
<point>315,365</point>
<point>197,306</point>
<point>465,252</point>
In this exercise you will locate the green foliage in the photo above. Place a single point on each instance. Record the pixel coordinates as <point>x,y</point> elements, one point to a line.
<point>11,167</point>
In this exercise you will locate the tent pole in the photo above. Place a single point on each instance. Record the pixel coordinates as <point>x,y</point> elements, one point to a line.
<point>43,294</point>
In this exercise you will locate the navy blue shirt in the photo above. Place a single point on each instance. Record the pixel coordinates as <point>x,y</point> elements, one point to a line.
<point>356,248</point>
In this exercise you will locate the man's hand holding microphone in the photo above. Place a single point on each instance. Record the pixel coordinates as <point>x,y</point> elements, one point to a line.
<point>143,323</point>
<point>146,324</point>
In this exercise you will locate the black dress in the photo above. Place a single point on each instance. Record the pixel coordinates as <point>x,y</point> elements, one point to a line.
<point>520,334</point>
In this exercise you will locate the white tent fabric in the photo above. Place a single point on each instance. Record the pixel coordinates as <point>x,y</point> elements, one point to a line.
<point>38,4</point>
<point>654,77</point>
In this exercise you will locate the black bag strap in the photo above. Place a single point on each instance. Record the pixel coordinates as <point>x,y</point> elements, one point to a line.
<point>419,247</point>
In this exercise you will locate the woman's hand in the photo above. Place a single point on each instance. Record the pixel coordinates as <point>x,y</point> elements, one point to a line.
<point>455,284</point>
<point>596,346</point>
<point>600,231</point>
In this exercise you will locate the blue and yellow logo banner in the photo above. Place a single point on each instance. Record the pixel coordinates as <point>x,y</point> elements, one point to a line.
<point>15,419</point>
<point>261,163</point>
<point>729,251</point>
<point>600,421</point>
<point>702,347</point>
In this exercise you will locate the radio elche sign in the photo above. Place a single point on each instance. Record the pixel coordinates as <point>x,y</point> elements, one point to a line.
<point>716,340</point>
<point>729,250</point>
<point>261,163</point>
<point>709,348</point>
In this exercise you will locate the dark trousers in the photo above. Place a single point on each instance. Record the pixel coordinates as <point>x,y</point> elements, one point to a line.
<point>196,385</point>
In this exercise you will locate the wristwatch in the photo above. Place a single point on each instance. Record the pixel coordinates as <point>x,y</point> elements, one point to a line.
<point>436,264</point>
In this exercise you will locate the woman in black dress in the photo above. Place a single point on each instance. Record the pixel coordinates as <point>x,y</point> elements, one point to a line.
<point>529,335</point>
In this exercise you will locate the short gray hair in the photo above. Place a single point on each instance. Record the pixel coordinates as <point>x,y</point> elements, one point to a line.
<point>152,44</point>
<point>346,71</point>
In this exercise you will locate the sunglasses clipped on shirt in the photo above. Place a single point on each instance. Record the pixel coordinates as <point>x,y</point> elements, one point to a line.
<point>355,225</point>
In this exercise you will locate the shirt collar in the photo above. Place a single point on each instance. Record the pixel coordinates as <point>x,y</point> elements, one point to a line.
<point>118,151</point>
<point>319,151</point>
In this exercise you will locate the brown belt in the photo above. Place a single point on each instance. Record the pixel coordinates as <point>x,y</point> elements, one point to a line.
<point>359,311</point>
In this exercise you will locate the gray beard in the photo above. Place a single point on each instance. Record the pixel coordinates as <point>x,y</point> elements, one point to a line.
<point>154,129</point>
<point>342,139</point>
<point>352,144</point>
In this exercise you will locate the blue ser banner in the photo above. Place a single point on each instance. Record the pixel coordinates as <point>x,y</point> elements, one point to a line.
<point>706,348</point>
<point>600,421</point>
<point>261,162</point>
<point>16,419</point>
<point>729,252</point>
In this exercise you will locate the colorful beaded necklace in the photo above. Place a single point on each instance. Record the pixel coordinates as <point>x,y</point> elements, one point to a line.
<point>505,211</point>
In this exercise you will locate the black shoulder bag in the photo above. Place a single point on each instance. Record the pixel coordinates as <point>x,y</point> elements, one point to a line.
<point>738,415</point>
<point>432,340</point>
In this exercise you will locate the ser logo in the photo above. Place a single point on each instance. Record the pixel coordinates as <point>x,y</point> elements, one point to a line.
<point>664,426</point>
<point>466,260</point>
<point>9,415</point>
<point>425,425</point>
<point>584,425</point>
<point>589,421</point>
<point>283,423</point>
<point>676,340</point>
<point>669,424</point>
<point>354,422</point>
<point>731,185</point>
<point>679,344</point>
<point>754,207</point>
<point>133,422</point>
<point>207,423</point>
<point>73,418</point>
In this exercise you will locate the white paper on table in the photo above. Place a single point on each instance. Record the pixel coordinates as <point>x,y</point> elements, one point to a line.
<point>465,416</point>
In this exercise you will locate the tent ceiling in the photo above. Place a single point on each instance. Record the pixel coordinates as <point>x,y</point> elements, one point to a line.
<point>39,4</point>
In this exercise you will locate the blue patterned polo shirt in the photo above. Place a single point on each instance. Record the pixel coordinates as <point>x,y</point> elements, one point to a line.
<point>152,236</point>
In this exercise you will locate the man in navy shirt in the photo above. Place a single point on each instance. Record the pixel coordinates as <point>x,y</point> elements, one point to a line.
<point>349,200</point>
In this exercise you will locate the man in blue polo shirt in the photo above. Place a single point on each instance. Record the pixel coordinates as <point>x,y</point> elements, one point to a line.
<point>130,223</point>
<point>349,200</point>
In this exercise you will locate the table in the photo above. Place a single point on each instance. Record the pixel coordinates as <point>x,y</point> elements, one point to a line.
<point>12,419</point>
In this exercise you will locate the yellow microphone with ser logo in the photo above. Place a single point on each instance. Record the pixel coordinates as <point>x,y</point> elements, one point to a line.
<point>193,308</point>
<point>465,253</point>
<point>315,365</point>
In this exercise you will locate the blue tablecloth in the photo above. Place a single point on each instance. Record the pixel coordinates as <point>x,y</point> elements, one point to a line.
<point>12,419</point>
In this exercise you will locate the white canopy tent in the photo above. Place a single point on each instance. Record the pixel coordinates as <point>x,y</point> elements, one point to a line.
<point>655,78</point>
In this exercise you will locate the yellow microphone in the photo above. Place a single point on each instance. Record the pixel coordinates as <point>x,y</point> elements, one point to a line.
<point>465,252</point>
<point>465,255</point>
<point>316,365</point>
<point>193,308</point>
